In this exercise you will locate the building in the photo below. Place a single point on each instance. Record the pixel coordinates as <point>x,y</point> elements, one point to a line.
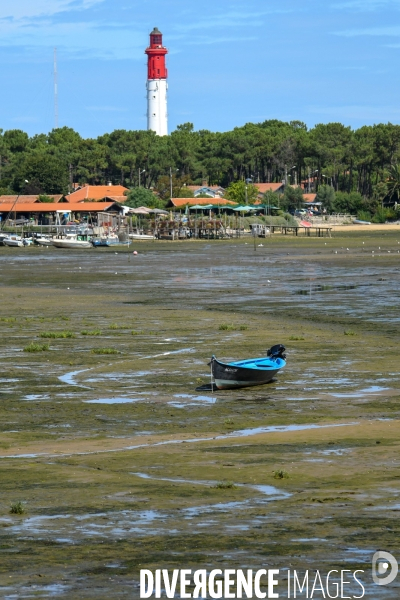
<point>98,193</point>
<point>157,117</point>
<point>90,200</point>
<point>213,191</point>
<point>277,188</point>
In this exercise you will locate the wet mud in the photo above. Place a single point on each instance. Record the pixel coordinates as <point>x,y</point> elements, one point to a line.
<point>127,459</point>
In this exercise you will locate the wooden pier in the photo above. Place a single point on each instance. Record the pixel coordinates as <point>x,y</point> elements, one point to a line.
<point>317,230</point>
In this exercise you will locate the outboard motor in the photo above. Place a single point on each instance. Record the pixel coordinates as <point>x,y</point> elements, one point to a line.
<point>277,351</point>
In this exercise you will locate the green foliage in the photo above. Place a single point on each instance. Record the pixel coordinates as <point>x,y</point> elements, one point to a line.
<point>383,214</point>
<point>393,185</point>
<point>296,338</point>
<point>365,161</point>
<point>104,351</point>
<point>280,474</point>
<point>226,327</point>
<point>57,334</point>
<point>351,202</point>
<point>33,347</point>
<point>184,192</point>
<point>45,172</point>
<point>271,199</point>
<point>141,196</point>
<point>292,198</point>
<point>242,192</point>
<point>326,195</point>
<point>91,332</point>
<point>225,485</point>
<point>17,508</point>
<point>44,198</point>
<point>364,215</point>
<point>349,332</point>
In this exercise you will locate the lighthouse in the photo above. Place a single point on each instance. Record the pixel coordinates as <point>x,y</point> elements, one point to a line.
<point>157,118</point>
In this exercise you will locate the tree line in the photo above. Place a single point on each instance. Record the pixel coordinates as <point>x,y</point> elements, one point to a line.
<point>362,161</point>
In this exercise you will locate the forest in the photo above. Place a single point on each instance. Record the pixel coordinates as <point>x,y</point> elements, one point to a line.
<point>348,166</point>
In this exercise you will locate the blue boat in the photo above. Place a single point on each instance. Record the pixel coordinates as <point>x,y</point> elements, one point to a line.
<point>110,240</point>
<point>249,372</point>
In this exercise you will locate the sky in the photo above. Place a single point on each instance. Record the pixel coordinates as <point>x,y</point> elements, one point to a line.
<point>230,62</point>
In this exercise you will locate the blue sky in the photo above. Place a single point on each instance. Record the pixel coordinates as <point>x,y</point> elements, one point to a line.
<point>230,62</point>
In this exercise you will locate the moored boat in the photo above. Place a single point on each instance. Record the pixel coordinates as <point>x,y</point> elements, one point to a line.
<point>141,236</point>
<point>43,241</point>
<point>72,240</point>
<point>14,241</point>
<point>108,240</point>
<point>249,372</point>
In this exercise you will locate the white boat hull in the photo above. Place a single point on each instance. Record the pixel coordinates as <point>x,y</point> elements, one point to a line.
<point>14,243</point>
<point>141,236</point>
<point>72,244</point>
<point>43,242</point>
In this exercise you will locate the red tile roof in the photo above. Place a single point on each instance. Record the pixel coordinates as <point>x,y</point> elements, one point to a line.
<point>119,199</point>
<point>96,192</point>
<point>266,187</point>
<point>309,197</point>
<point>48,207</point>
<point>25,199</point>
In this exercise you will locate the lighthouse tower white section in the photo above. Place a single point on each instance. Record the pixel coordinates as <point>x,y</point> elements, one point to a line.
<point>157,116</point>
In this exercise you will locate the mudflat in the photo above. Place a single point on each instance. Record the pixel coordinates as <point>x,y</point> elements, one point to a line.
<point>119,464</point>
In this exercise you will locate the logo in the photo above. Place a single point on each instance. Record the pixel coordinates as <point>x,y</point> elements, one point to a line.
<point>381,562</point>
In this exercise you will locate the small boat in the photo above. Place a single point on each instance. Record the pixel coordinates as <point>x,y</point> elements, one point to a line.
<point>43,241</point>
<point>3,236</point>
<point>359,222</point>
<point>71,240</point>
<point>14,240</point>
<point>108,240</point>
<point>246,373</point>
<point>141,236</point>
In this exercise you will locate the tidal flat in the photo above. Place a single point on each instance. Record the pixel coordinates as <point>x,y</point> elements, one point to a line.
<point>120,464</point>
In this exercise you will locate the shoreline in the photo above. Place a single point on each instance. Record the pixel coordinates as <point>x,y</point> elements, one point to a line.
<point>372,227</point>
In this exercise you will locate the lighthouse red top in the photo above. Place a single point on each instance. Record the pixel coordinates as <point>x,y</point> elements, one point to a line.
<point>156,52</point>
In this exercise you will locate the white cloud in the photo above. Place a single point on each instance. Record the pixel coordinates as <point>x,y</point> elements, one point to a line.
<point>372,31</point>
<point>208,41</point>
<point>78,40</point>
<point>365,5</point>
<point>229,19</point>
<point>26,9</point>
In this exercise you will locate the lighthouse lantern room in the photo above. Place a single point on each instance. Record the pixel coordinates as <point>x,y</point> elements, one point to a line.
<point>157,118</point>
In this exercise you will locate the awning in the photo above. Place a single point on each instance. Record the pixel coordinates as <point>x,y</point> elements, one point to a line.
<point>201,207</point>
<point>244,208</point>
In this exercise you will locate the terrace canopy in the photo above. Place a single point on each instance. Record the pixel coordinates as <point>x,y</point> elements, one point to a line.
<point>201,207</point>
<point>244,208</point>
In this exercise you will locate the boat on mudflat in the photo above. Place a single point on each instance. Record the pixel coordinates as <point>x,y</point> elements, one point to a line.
<point>359,222</point>
<point>249,372</point>
<point>108,240</point>
<point>43,241</point>
<point>141,236</point>
<point>72,241</point>
<point>14,240</point>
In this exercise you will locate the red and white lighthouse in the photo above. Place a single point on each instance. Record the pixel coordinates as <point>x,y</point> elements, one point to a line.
<point>157,117</point>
